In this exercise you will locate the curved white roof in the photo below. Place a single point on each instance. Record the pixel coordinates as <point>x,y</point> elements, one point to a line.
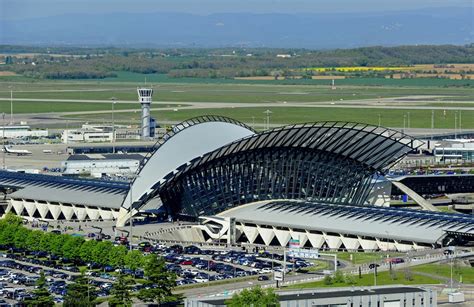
<point>195,138</point>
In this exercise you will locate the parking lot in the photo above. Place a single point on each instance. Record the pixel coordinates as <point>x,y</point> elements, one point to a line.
<point>20,269</point>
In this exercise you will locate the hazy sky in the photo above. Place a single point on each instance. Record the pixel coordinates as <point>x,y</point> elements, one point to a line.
<point>20,9</point>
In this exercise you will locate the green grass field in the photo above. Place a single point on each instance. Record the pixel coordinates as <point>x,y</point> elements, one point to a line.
<point>62,106</point>
<point>383,278</point>
<point>281,94</point>
<point>291,115</point>
<point>201,90</point>
<point>466,273</point>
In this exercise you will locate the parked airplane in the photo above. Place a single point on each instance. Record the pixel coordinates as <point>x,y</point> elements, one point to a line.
<point>18,152</point>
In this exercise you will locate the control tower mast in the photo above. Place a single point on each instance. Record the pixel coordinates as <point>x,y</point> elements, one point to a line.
<point>144,97</point>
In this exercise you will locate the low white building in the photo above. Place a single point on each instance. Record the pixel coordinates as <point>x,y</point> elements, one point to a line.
<point>21,131</point>
<point>455,151</point>
<point>98,165</point>
<point>88,134</point>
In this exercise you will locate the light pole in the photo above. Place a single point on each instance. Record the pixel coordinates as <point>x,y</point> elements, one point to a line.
<point>451,279</point>
<point>380,121</point>
<point>432,123</point>
<point>114,100</point>
<point>131,216</point>
<point>3,140</point>
<point>11,104</point>
<point>268,112</point>
<point>455,124</point>
<point>375,275</point>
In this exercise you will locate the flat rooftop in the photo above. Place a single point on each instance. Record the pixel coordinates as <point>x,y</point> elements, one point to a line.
<point>92,157</point>
<point>321,294</point>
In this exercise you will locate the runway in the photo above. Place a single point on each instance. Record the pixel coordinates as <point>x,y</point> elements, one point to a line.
<point>414,102</point>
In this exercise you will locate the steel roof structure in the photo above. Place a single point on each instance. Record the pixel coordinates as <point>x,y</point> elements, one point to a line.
<point>331,162</point>
<point>382,223</point>
<point>208,164</point>
<point>62,189</point>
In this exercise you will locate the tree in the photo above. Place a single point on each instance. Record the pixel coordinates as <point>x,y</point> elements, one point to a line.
<point>33,240</point>
<point>101,251</point>
<point>56,244</point>
<point>117,256</point>
<point>159,282</point>
<point>86,250</point>
<point>72,247</point>
<point>350,279</point>
<point>338,277</point>
<point>255,297</point>
<point>42,298</point>
<point>80,293</point>
<point>46,241</point>
<point>328,280</point>
<point>134,259</point>
<point>7,236</point>
<point>120,292</point>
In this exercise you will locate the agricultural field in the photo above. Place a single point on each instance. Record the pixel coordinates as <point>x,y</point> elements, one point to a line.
<point>446,71</point>
<point>454,68</point>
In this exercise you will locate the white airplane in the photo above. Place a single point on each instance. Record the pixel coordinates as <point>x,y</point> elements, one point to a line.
<point>18,152</point>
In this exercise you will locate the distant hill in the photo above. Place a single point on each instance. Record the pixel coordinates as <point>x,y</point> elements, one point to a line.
<point>335,30</point>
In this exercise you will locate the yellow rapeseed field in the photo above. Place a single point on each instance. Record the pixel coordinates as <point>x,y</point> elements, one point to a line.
<point>361,68</point>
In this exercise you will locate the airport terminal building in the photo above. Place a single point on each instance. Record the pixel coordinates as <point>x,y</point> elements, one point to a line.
<point>318,182</point>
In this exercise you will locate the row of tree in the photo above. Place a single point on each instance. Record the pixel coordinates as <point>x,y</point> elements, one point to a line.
<point>157,289</point>
<point>13,233</point>
<point>158,283</point>
<point>224,63</point>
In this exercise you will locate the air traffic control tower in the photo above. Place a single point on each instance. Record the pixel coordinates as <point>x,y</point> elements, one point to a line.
<point>144,96</point>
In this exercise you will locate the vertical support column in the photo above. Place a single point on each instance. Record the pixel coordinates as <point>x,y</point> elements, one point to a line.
<point>231,232</point>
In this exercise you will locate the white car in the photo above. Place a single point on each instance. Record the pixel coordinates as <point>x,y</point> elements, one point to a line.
<point>265,270</point>
<point>280,269</point>
<point>200,279</point>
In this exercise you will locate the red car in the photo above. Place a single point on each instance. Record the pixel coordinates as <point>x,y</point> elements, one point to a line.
<point>186,262</point>
<point>394,260</point>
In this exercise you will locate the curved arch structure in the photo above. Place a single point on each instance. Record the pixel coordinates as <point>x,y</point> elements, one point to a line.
<point>331,162</point>
<point>188,140</point>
